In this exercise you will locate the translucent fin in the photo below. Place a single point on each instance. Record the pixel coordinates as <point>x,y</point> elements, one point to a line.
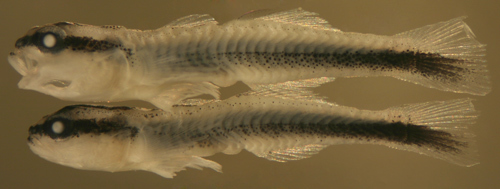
<point>291,89</point>
<point>460,63</point>
<point>454,144</point>
<point>289,154</point>
<point>295,16</point>
<point>251,15</point>
<point>192,21</point>
<point>169,167</point>
<point>173,94</point>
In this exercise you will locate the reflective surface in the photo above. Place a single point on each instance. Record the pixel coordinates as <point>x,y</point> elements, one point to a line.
<point>346,166</point>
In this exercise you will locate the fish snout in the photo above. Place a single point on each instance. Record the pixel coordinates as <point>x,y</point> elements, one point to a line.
<point>32,131</point>
<point>23,41</point>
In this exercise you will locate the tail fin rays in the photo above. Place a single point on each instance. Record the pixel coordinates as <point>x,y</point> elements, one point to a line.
<point>461,62</point>
<point>453,143</point>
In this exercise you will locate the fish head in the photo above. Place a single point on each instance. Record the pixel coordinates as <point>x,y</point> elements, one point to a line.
<point>83,137</point>
<point>70,61</point>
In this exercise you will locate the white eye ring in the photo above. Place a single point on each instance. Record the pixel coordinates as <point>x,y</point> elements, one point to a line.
<point>58,127</point>
<point>49,40</point>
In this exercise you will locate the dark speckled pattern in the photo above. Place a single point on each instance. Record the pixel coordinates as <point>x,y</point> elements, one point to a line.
<point>87,44</point>
<point>425,64</point>
<point>406,134</point>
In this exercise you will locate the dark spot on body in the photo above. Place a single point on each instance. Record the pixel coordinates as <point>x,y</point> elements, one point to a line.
<point>114,27</point>
<point>87,44</point>
<point>76,127</point>
<point>84,126</point>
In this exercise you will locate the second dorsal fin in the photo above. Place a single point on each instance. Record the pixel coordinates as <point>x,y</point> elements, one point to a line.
<point>296,16</point>
<point>192,21</point>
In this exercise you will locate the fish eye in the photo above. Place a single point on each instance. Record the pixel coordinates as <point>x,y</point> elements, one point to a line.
<point>49,39</point>
<point>57,127</point>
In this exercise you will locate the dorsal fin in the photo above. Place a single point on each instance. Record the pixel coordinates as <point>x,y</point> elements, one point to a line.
<point>192,21</point>
<point>254,14</point>
<point>296,16</point>
<point>291,89</point>
<point>294,153</point>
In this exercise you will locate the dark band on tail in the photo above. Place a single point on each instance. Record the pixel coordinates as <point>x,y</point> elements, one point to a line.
<point>406,134</point>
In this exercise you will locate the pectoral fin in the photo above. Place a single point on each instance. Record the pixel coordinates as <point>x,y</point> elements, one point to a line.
<point>175,93</point>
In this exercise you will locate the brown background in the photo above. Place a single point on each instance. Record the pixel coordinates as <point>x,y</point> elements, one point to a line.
<point>343,166</point>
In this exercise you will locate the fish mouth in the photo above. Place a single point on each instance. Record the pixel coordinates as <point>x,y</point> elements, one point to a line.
<point>22,64</point>
<point>32,140</point>
<point>33,130</point>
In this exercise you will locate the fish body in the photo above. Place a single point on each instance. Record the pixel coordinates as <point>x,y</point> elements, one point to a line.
<point>195,55</point>
<point>279,129</point>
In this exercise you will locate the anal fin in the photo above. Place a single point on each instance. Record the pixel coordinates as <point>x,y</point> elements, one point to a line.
<point>291,89</point>
<point>168,167</point>
<point>293,153</point>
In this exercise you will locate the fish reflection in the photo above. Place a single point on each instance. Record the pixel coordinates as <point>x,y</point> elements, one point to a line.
<point>272,127</point>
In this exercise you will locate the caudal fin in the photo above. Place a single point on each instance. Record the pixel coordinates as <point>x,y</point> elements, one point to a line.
<point>454,60</point>
<point>441,130</point>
